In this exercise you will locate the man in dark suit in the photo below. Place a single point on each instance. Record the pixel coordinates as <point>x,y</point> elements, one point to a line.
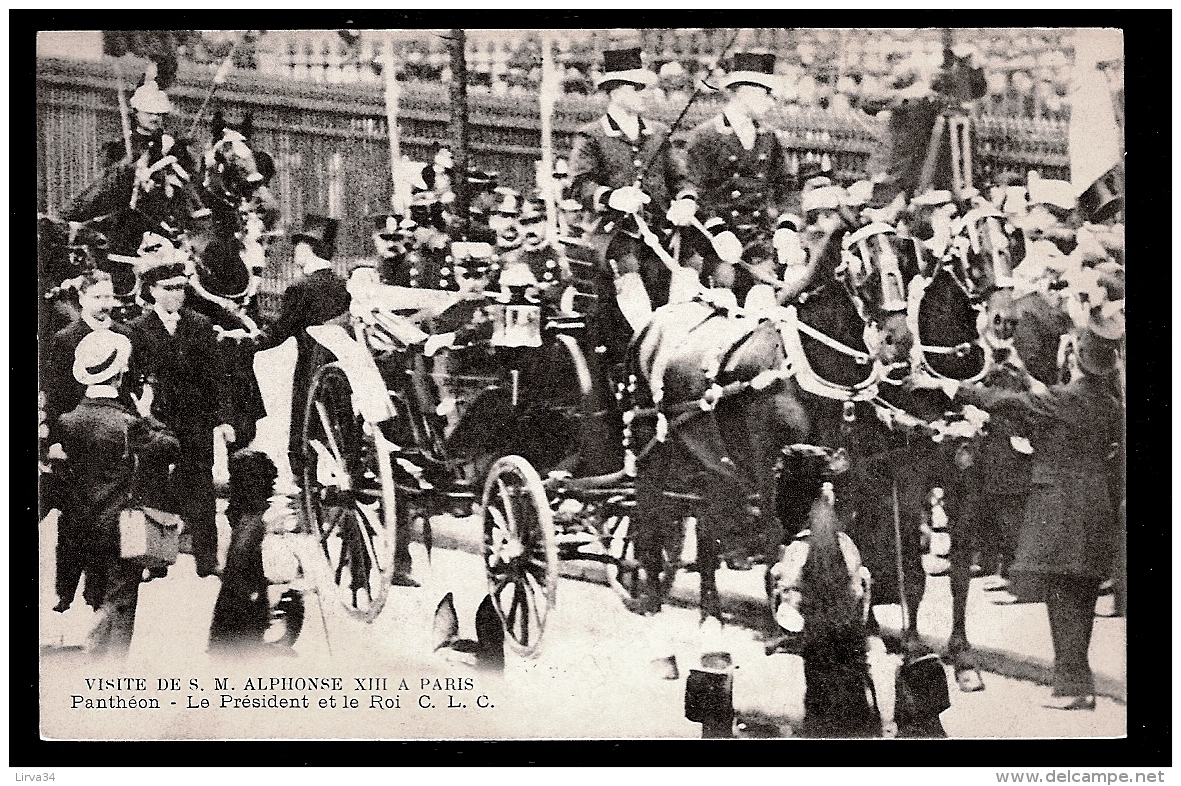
<point>96,298</point>
<point>319,296</point>
<point>1069,536</point>
<point>622,166</point>
<point>176,353</point>
<point>739,169</point>
<point>103,441</point>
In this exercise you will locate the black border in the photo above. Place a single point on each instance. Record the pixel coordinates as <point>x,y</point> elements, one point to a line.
<point>1148,82</point>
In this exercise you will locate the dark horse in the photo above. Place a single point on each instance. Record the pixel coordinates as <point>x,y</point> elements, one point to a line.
<point>216,216</point>
<point>838,364</point>
<point>947,310</point>
<point>228,250</point>
<point>710,410</point>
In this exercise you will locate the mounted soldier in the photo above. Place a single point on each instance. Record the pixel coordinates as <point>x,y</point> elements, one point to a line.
<point>151,187</point>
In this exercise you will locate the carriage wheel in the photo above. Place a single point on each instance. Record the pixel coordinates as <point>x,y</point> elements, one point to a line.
<point>520,552</point>
<point>348,495</point>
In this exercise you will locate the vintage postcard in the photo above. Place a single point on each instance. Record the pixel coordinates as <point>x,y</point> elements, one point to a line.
<point>583,384</point>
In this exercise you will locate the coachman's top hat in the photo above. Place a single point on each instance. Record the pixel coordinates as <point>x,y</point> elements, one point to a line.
<point>624,65</point>
<point>320,233</point>
<point>752,69</point>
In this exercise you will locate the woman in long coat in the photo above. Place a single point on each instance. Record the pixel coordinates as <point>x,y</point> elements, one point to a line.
<point>1068,538</point>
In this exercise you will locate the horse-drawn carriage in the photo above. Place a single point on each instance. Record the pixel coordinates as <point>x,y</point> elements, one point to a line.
<point>509,417</point>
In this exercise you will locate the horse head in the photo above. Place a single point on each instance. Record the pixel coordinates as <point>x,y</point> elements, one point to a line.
<point>232,171</point>
<point>875,266</point>
<point>981,251</point>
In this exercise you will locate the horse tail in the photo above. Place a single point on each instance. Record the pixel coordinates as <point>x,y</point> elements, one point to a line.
<point>829,605</point>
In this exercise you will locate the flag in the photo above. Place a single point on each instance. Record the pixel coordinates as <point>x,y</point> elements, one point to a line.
<point>1095,143</point>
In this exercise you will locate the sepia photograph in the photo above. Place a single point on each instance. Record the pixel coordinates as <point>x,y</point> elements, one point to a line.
<point>581,384</point>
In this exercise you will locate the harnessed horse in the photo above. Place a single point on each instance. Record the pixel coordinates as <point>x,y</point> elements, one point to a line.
<point>841,344</point>
<point>709,411</point>
<point>228,254</point>
<point>946,323</point>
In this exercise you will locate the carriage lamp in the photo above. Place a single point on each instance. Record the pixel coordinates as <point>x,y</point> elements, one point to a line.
<point>848,411</point>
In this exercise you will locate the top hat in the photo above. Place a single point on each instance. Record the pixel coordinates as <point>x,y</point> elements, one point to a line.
<point>320,233</point>
<point>101,355</point>
<point>624,65</point>
<point>752,69</point>
<point>1098,355</point>
<point>150,98</point>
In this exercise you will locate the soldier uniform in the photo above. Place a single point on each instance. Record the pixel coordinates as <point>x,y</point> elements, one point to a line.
<point>152,186</point>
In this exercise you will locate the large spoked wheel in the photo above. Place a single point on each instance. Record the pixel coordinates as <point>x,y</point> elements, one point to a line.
<point>349,494</point>
<point>520,552</point>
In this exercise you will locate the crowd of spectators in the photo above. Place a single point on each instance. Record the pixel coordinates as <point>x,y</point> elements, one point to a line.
<point>1028,71</point>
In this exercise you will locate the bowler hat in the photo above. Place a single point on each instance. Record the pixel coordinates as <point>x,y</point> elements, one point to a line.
<point>624,65</point>
<point>100,356</point>
<point>320,233</point>
<point>751,68</point>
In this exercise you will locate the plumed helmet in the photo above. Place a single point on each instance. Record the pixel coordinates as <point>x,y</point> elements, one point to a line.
<point>150,98</point>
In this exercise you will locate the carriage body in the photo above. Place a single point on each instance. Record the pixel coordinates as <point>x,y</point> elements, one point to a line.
<point>395,435</point>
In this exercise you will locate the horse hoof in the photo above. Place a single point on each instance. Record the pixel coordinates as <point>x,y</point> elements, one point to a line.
<point>665,668</point>
<point>635,605</point>
<point>717,661</point>
<point>969,680</point>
